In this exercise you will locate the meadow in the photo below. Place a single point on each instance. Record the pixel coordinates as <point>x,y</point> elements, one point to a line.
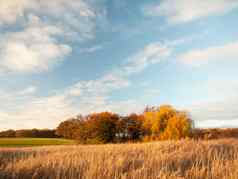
<point>24,142</point>
<point>188,159</point>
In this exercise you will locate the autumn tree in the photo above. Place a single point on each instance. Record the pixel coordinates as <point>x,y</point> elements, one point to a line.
<point>156,119</point>
<point>100,127</point>
<point>68,128</point>
<point>179,126</point>
<point>167,122</point>
<point>130,127</point>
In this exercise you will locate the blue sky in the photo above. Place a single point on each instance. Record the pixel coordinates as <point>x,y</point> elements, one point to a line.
<point>60,58</point>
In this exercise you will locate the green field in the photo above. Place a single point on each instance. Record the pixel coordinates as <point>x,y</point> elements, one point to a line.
<point>28,142</point>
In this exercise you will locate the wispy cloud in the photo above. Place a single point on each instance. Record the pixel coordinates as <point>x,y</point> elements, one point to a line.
<point>151,54</point>
<point>199,57</point>
<point>182,11</point>
<point>75,17</point>
<point>28,90</point>
<point>91,49</point>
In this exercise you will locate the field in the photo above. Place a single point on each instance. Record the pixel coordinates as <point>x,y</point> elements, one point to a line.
<point>215,159</point>
<point>24,142</point>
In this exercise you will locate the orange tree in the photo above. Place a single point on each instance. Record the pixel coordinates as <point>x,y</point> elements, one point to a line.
<point>179,126</point>
<point>68,128</point>
<point>100,127</point>
<point>166,122</point>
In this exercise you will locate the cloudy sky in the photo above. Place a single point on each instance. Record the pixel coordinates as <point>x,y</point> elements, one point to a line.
<point>60,58</point>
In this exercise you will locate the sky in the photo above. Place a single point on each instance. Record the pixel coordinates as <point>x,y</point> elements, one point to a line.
<point>61,58</point>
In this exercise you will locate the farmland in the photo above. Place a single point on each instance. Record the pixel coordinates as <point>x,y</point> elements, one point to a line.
<point>24,142</point>
<point>187,159</point>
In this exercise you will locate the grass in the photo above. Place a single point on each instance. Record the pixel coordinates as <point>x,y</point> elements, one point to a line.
<point>27,142</point>
<point>188,159</point>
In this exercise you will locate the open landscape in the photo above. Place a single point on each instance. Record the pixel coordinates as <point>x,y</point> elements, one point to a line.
<point>118,89</point>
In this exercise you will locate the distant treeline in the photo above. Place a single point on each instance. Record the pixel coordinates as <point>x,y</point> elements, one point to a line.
<point>33,133</point>
<point>215,133</point>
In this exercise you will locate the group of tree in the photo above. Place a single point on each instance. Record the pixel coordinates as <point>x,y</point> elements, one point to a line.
<point>155,123</point>
<point>32,133</point>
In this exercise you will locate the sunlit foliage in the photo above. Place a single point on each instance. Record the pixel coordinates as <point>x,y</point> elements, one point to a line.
<point>165,123</point>
<point>156,123</point>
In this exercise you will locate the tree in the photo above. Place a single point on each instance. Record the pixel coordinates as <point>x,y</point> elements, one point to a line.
<point>130,127</point>
<point>179,126</point>
<point>101,127</point>
<point>68,128</point>
<point>8,133</point>
<point>166,122</point>
<point>156,119</point>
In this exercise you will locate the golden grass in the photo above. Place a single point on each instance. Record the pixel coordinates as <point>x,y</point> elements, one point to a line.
<point>182,159</point>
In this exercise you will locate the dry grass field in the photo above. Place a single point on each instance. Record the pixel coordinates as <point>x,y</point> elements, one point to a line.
<point>215,159</point>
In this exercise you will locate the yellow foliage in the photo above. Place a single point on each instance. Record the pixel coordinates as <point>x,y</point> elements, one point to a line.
<point>166,123</point>
<point>179,126</point>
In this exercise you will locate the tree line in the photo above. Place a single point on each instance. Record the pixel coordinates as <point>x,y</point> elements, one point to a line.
<point>155,123</point>
<point>32,133</point>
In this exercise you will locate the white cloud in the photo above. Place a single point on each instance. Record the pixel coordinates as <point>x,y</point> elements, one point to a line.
<point>181,11</point>
<point>28,90</point>
<point>38,113</point>
<point>75,17</point>
<point>124,107</point>
<point>221,113</point>
<point>32,50</point>
<point>218,124</point>
<point>218,107</point>
<point>151,93</point>
<point>98,88</point>
<point>91,49</point>
<point>47,111</point>
<point>151,54</point>
<point>11,10</point>
<point>203,56</point>
<point>43,30</point>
